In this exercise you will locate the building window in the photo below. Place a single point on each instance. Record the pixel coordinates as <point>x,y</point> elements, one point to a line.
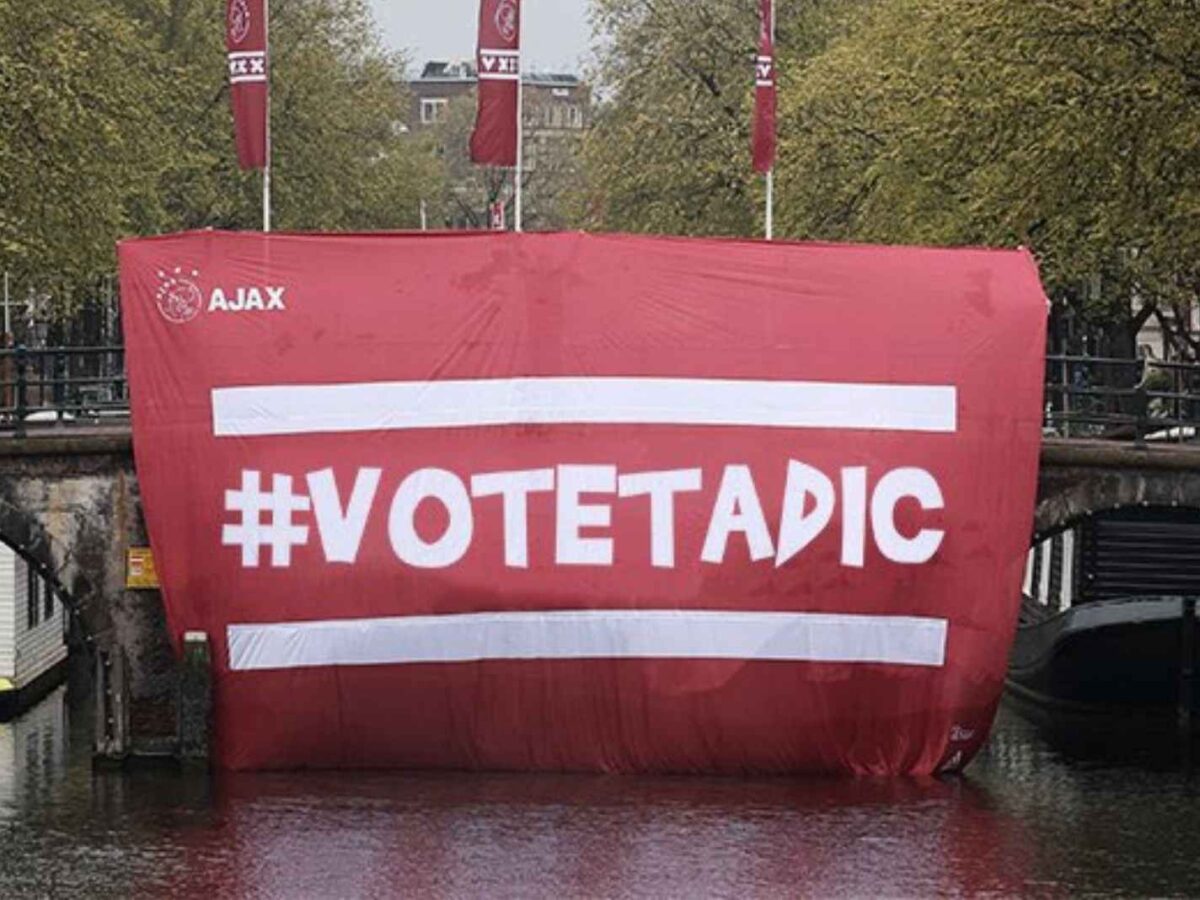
<point>431,109</point>
<point>33,599</point>
<point>574,116</point>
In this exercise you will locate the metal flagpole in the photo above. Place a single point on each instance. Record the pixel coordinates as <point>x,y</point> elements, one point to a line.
<point>770,217</point>
<point>266,194</point>
<point>520,138</point>
<point>771,205</point>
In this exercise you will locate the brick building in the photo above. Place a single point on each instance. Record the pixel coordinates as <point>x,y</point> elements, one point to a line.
<point>557,110</point>
<point>554,103</point>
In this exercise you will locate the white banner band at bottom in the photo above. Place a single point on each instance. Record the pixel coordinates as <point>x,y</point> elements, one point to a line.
<point>591,634</point>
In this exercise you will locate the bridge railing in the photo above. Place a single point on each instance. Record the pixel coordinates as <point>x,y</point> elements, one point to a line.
<point>1086,396</point>
<point>1122,399</point>
<point>57,386</point>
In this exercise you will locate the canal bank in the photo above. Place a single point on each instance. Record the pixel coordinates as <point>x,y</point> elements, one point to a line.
<point>1029,817</point>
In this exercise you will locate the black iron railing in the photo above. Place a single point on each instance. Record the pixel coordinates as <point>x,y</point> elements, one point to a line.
<point>1086,396</point>
<point>1122,399</point>
<point>61,385</point>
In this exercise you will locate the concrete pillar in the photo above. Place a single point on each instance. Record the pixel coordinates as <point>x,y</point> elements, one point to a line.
<point>195,699</point>
<point>112,707</point>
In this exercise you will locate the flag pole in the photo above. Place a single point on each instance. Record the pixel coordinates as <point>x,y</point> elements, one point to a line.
<point>266,191</point>
<point>771,205</point>
<point>770,216</point>
<point>520,140</point>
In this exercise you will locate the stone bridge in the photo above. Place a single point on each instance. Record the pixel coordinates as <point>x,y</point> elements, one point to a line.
<point>1078,478</point>
<point>69,505</point>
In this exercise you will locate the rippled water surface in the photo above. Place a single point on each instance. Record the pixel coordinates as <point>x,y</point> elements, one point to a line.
<point>1029,818</point>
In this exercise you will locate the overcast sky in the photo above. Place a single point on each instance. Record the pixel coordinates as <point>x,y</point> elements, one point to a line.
<point>555,33</point>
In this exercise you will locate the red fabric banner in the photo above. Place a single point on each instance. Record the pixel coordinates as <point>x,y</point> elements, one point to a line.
<point>588,502</point>
<point>246,43</point>
<point>764,91</point>
<point>494,140</point>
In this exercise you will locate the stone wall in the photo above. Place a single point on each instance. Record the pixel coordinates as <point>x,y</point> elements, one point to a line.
<point>69,504</point>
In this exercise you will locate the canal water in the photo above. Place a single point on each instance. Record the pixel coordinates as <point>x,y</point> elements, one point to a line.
<point>1031,817</point>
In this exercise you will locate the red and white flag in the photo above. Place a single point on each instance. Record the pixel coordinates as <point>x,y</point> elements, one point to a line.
<point>246,43</point>
<point>764,91</point>
<point>494,141</point>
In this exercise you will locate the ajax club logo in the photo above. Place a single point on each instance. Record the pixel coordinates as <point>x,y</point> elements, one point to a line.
<point>239,21</point>
<point>507,19</point>
<point>178,296</point>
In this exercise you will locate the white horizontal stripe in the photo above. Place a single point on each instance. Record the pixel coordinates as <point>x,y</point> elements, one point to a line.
<point>485,52</point>
<point>248,54</point>
<point>399,405</point>
<point>246,79</point>
<point>591,634</point>
<point>484,76</point>
<point>765,83</point>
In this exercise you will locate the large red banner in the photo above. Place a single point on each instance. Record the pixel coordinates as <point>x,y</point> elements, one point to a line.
<point>764,90</point>
<point>246,46</point>
<point>588,502</point>
<point>498,59</point>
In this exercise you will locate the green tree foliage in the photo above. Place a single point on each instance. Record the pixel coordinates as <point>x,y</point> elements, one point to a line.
<point>670,147</point>
<point>78,142</point>
<point>1070,126</point>
<point>468,189</point>
<point>115,120</point>
<point>549,183</point>
<point>341,161</point>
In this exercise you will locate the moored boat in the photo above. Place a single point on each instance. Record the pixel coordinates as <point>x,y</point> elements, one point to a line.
<point>1108,657</point>
<point>33,652</point>
<point>1107,625</point>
